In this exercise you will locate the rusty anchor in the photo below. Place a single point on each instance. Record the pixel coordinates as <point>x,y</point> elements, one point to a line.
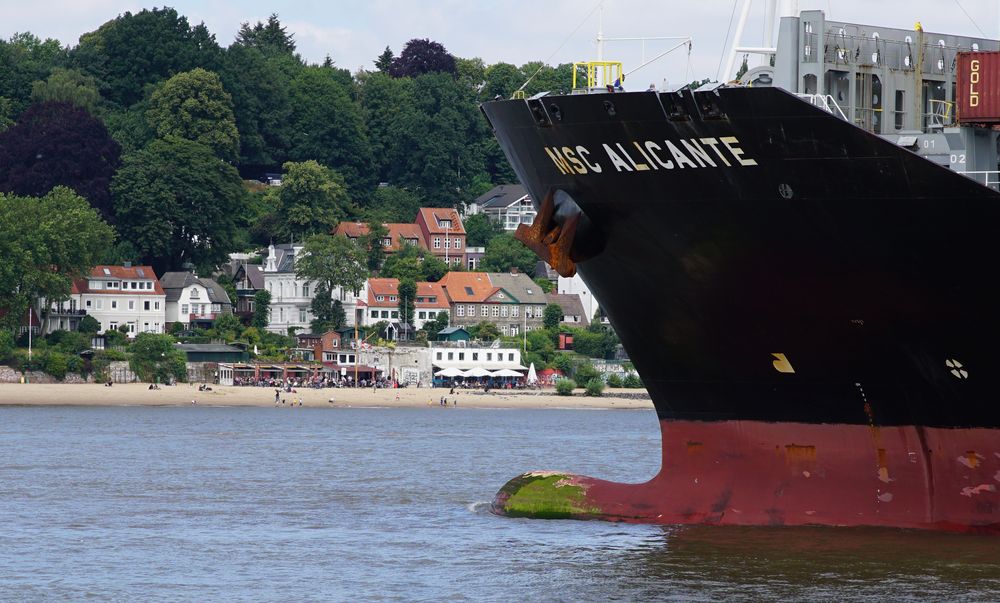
<point>550,240</point>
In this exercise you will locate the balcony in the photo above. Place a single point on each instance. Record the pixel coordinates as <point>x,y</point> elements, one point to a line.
<point>202,317</point>
<point>67,312</point>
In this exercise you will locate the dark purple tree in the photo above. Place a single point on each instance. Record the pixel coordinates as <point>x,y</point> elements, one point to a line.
<point>420,57</point>
<point>57,143</point>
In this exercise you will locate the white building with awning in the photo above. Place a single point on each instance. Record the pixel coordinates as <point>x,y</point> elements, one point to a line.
<point>471,357</point>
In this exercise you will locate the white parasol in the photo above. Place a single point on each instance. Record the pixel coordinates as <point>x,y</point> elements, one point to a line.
<point>506,373</point>
<point>449,372</point>
<point>477,372</point>
<point>532,376</point>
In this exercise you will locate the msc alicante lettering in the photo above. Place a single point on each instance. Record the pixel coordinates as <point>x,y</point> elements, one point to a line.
<point>651,155</point>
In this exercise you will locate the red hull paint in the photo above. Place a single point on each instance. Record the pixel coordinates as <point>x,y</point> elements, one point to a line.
<point>756,473</point>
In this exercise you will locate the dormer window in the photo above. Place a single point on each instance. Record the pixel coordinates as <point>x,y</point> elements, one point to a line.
<point>107,272</point>
<point>386,242</point>
<point>379,298</point>
<point>392,298</point>
<point>444,223</point>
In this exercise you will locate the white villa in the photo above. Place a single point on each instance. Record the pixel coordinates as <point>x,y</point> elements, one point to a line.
<point>115,296</point>
<point>292,296</point>
<point>194,301</point>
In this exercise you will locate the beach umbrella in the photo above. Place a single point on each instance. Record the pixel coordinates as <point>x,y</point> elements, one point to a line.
<point>477,372</point>
<point>449,372</point>
<point>506,373</point>
<point>532,376</point>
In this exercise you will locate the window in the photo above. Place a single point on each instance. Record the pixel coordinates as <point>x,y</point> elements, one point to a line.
<point>145,305</point>
<point>387,242</point>
<point>484,311</point>
<point>504,330</point>
<point>107,272</point>
<point>475,356</point>
<point>447,243</point>
<point>327,356</point>
<point>503,311</point>
<point>131,328</point>
<point>444,223</point>
<point>145,327</point>
<point>87,303</point>
<point>114,326</point>
<point>114,304</point>
<point>184,308</point>
<point>438,357</point>
<point>437,242</point>
<point>460,309</point>
<point>133,285</point>
<point>156,305</point>
<point>451,355</point>
<point>379,298</point>
<point>422,315</point>
<point>513,330</point>
<point>374,313</point>
<point>195,294</point>
<point>156,327</point>
<point>281,315</point>
<point>392,298</point>
<point>302,315</point>
<point>510,356</point>
<point>385,314</point>
<point>395,314</point>
<point>496,311</point>
<point>527,311</point>
<point>305,290</point>
<point>461,355</point>
<point>458,243</point>
<point>514,311</point>
<point>472,310</point>
<point>489,356</point>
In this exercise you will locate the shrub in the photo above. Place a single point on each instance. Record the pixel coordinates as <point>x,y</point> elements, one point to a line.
<point>632,381</point>
<point>586,373</point>
<point>565,387</point>
<point>594,387</point>
<point>74,364</point>
<point>55,365</point>
<point>88,324</point>
<point>6,345</point>
<point>614,380</point>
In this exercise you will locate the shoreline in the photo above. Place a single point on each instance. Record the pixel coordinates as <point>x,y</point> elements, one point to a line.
<point>138,394</point>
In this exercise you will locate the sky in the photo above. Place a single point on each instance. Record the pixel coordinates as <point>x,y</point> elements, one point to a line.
<point>512,31</point>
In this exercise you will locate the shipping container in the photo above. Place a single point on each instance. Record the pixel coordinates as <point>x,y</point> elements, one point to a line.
<point>977,92</point>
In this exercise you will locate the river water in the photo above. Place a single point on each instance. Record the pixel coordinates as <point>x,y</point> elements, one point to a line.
<point>295,504</point>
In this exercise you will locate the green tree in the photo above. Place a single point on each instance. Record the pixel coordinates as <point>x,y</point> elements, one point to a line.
<point>502,79</point>
<point>269,38</point>
<point>433,327</point>
<point>24,58</point>
<point>384,60</point>
<point>480,229</point>
<point>259,87</point>
<point>326,125</point>
<point>261,309</point>
<point>328,313</point>
<point>7,345</point>
<point>594,387</point>
<point>552,316</point>
<point>393,205</point>
<point>228,326</point>
<point>135,50</point>
<point>45,244</point>
<point>505,252</point>
<point>313,199</point>
<point>177,203</point>
<point>88,324</point>
<point>194,106</point>
<point>332,262</point>
<point>407,300</point>
<point>546,285</point>
<point>372,243</point>
<point>487,331</point>
<point>154,358</point>
<point>413,263</point>
<point>565,387</point>
<point>69,86</point>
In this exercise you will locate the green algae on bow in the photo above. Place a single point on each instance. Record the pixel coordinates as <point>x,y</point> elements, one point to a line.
<point>544,496</point>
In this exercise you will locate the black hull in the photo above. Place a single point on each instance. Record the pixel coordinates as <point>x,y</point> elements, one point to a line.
<point>867,268</point>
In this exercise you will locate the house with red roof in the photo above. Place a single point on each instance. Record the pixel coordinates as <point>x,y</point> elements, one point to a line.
<point>383,304</point>
<point>444,234</point>
<point>511,301</point>
<point>116,296</point>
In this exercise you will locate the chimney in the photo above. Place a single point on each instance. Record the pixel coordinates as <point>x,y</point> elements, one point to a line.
<point>513,269</point>
<point>128,264</point>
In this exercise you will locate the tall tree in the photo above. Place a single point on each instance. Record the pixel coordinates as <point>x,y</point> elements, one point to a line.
<point>480,230</point>
<point>261,309</point>
<point>177,203</point>
<point>328,313</point>
<point>58,143</point>
<point>67,85</point>
<point>420,57</point>
<point>313,199</point>
<point>132,51</point>
<point>373,244</point>
<point>505,252</point>
<point>259,87</point>
<point>384,61</point>
<point>45,244</point>
<point>393,204</point>
<point>24,58</point>
<point>326,126</point>
<point>407,300</point>
<point>502,79</point>
<point>270,38</point>
<point>415,264</point>
<point>332,262</point>
<point>194,106</point>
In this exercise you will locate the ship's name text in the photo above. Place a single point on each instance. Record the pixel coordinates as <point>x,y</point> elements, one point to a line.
<point>651,155</point>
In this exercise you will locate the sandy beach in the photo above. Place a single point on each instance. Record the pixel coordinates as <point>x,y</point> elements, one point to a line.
<point>138,394</point>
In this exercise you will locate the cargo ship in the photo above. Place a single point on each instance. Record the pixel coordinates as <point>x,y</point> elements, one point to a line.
<point>805,287</point>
